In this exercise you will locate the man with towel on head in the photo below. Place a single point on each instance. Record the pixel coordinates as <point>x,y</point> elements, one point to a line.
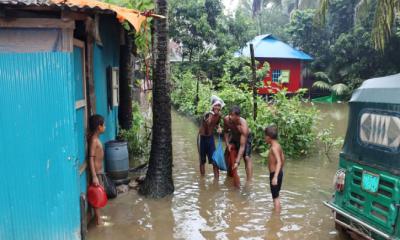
<point>210,122</point>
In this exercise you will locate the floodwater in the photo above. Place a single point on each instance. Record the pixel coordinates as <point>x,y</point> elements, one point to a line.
<point>202,208</point>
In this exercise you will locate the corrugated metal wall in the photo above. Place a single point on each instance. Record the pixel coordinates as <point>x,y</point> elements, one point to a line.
<point>39,194</point>
<point>104,57</point>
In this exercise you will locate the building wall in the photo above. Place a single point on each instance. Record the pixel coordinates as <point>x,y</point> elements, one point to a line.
<point>106,56</point>
<point>283,64</point>
<point>39,193</point>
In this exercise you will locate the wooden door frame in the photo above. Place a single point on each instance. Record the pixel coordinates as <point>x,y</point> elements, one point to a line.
<point>82,103</point>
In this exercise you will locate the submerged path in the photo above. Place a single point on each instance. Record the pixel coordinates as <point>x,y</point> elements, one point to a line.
<point>202,208</point>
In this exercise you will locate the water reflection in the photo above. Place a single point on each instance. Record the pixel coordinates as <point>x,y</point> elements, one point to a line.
<point>204,208</point>
<point>273,227</point>
<point>336,114</point>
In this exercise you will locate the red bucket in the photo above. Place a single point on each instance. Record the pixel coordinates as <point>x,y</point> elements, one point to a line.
<point>97,197</point>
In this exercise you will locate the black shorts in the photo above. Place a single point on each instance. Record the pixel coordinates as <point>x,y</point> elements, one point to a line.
<point>207,149</point>
<point>247,149</point>
<point>277,188</point>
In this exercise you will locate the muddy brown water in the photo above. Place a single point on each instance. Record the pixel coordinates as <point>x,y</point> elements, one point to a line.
<point>202,208</point>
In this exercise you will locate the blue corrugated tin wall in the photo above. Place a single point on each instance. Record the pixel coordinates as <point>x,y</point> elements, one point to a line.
<point>104,57</point>
<point>39,194</point>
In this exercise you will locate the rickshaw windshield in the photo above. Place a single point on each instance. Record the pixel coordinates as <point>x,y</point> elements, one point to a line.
<point>373,132</point>
<point>380,129</point>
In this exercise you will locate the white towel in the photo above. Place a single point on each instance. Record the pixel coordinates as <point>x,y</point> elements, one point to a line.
<point>215,100</point>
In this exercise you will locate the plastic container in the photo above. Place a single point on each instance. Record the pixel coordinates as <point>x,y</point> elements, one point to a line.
<point>97,197</point>
<point>117,159</point>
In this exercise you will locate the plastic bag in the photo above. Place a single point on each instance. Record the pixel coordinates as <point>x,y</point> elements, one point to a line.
<point>109,187</point>
<point>218,156</point>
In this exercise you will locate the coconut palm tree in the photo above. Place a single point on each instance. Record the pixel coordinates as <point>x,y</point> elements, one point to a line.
<point>125,83</point>
<point>287,5</point>
<point>258,4</point>
<point>384,19</point>
<point>158,182</point>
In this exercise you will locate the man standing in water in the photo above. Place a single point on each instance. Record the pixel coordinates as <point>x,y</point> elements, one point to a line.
<point>207,146</point>
<point>237,134</point>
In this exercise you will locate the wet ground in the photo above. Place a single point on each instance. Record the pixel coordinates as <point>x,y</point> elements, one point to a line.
<point>202,208</point>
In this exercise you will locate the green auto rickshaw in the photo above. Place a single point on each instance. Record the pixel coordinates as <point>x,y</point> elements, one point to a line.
<point>367,184</point>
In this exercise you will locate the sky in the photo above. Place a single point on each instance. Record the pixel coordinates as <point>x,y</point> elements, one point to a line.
<point>230,5</point>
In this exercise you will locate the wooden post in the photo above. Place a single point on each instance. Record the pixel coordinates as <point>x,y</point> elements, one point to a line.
<point>253,68</point>
<point>197,93</point>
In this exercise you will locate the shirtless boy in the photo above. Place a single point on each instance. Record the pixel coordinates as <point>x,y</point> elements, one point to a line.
<point>237,133</point>
<point>96,154</point>
<point>276,161</point>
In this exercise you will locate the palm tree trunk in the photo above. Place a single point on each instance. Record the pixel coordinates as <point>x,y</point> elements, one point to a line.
<point>158,182</point>
<point>125,82</point>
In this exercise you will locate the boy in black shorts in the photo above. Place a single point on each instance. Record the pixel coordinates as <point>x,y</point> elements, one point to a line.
<point>276,161</point>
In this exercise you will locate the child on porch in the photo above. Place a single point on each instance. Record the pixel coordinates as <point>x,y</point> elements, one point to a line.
<point>96,154</point>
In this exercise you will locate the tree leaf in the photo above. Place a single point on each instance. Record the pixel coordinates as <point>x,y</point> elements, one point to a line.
<point>322,85</point>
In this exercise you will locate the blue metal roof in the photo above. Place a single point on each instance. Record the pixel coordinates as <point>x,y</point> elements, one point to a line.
<point>267,46</point>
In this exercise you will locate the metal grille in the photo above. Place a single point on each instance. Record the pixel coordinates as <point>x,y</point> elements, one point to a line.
<point>378,207</point>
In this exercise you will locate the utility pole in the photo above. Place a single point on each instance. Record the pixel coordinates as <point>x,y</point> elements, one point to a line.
<point>197,99</point>
<point>253,68</point>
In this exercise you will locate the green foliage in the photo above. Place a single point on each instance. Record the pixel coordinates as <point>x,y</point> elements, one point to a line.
<point>240,96</point>
<point>384,17</point>
<point>309,37</point>
<point>208,36</point>
<point>354,57</point>
<point>295,120</point>
<point>397,31</point>
<point>234,31</point>
<point>340,17</point>
<point>340,89</point>
<point>342,49</point>
<point>239,73</point>
<point>324,83</point>
<point>321,76</point>
<point>185,92</point>
<point>272,20</point>
<point>192,23</point>
<point>329,143</point>
<point>139,136</point>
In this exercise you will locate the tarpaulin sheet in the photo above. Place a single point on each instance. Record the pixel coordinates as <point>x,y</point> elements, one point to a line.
<point>31,40</point>
<point>133,16</point>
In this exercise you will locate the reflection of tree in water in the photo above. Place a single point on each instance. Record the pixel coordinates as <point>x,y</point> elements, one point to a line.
<point>162,219</point>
